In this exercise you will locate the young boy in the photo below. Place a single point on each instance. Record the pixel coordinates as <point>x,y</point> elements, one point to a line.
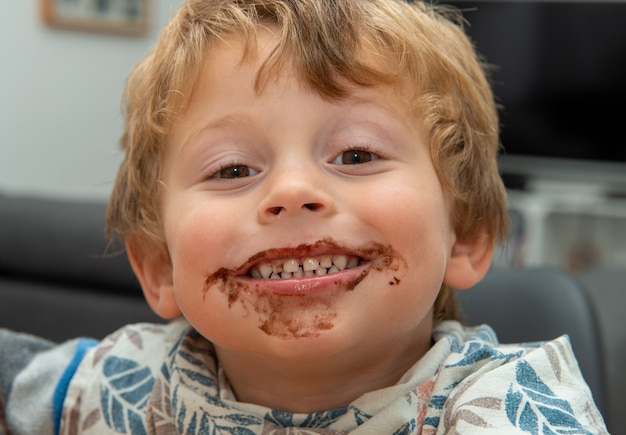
<point>305,181</point>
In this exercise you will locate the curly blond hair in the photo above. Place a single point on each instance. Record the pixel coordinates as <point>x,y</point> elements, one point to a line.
<point>330,44</point>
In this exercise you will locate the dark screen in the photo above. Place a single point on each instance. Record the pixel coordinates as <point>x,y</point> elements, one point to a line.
<point>559,74</point>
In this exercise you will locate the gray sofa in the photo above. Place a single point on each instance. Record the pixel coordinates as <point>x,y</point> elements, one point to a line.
<point>58,277</point>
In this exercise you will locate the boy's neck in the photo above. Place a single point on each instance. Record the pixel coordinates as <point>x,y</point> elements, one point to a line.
<point>318,384</point>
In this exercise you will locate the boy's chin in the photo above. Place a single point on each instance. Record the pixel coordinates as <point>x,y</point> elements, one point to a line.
<point>307,337</point>
<point>283,341</point>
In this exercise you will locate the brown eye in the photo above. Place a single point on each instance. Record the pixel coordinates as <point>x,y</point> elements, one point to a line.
<point>356,157</point>
<point>235,171</point>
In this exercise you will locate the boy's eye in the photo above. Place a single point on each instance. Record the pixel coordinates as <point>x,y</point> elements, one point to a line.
<point>354,157</point>
<point>235,171</point>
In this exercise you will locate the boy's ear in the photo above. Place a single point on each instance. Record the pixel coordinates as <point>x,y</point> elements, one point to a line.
<point>156,278</point>
<point>469,262</point>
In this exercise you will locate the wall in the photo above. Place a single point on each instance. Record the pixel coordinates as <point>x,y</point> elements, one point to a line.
<point>60,90</point>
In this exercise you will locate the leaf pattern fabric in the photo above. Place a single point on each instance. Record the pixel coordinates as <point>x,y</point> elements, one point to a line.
<point>161,380</point>
<point>124,394</point>
<point>533,406</point>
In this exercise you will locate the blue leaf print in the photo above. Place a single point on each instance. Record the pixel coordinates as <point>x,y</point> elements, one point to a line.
<point>314,420</point>
<point>407,429</point>
<point>136,423</point>
<point>208,424</point>
<point>437,401</point>
<point>323,419</point>
<point>549,400</point>
<point>528,420</point>
<point>473,356</point>
<point>280,419</point>
<point>199,378</point>
<point>532,406</point>
<point>243,419</point>
<point>165,371</point>
<point>512,403</point>
<point>527,377</point>
<point>205,424</point>
<point>191,358</point>
<point>557,417</point>
<point>359,416</point>
<point>124,393</point>
<point>191,427</point>
<point>235,431</point>
<point>546,430</point>
<point>180,420</point>
<point>477,352</point>
<point>431,421</point>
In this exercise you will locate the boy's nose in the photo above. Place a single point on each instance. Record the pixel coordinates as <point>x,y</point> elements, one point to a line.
<point>292,195</point>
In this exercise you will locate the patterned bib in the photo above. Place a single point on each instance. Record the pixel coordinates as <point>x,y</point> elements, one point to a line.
<point>166,379</point>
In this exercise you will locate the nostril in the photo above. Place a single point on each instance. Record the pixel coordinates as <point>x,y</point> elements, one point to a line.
<point>279,210</point>
<point>313,206</point>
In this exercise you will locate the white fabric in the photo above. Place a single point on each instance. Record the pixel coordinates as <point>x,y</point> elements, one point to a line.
<point>29,407</point>
<point>166,380</point>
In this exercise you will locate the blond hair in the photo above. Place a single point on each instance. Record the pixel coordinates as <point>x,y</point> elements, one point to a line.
<point>330,44</point>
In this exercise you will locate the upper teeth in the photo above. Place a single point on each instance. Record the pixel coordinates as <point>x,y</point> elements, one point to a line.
<point>309,266</point>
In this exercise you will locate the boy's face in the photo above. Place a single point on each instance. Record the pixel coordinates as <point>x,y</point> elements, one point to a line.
<point>283,180</point>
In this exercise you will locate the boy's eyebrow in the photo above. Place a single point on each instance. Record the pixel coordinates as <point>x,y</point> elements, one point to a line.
<point>228,120</point>
<point>237,118</point>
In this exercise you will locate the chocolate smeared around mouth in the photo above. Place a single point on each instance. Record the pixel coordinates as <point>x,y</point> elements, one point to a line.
<point>298,315</point>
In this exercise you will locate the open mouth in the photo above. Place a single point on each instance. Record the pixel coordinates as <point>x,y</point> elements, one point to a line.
<point>303,267</point>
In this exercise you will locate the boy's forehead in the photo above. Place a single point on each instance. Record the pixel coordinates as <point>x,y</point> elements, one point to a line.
<point>229,64</point>
<point>356,45</point>
<point>255,50</point>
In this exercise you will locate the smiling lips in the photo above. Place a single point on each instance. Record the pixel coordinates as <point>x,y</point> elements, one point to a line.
<point>320,259</point>
<point>303,267</point>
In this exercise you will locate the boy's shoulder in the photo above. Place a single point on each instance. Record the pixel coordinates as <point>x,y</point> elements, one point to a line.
<point>123,385</point>
<point>145,345</point>
<point>482,384</point>
<point>37,375</point>
<point>31,378</point>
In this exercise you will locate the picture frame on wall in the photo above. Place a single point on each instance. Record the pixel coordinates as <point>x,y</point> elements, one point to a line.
<point>125,17</point>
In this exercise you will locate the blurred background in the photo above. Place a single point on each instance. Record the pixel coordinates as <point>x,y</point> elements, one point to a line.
<point>60,96</point>
<point>558,71</point>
